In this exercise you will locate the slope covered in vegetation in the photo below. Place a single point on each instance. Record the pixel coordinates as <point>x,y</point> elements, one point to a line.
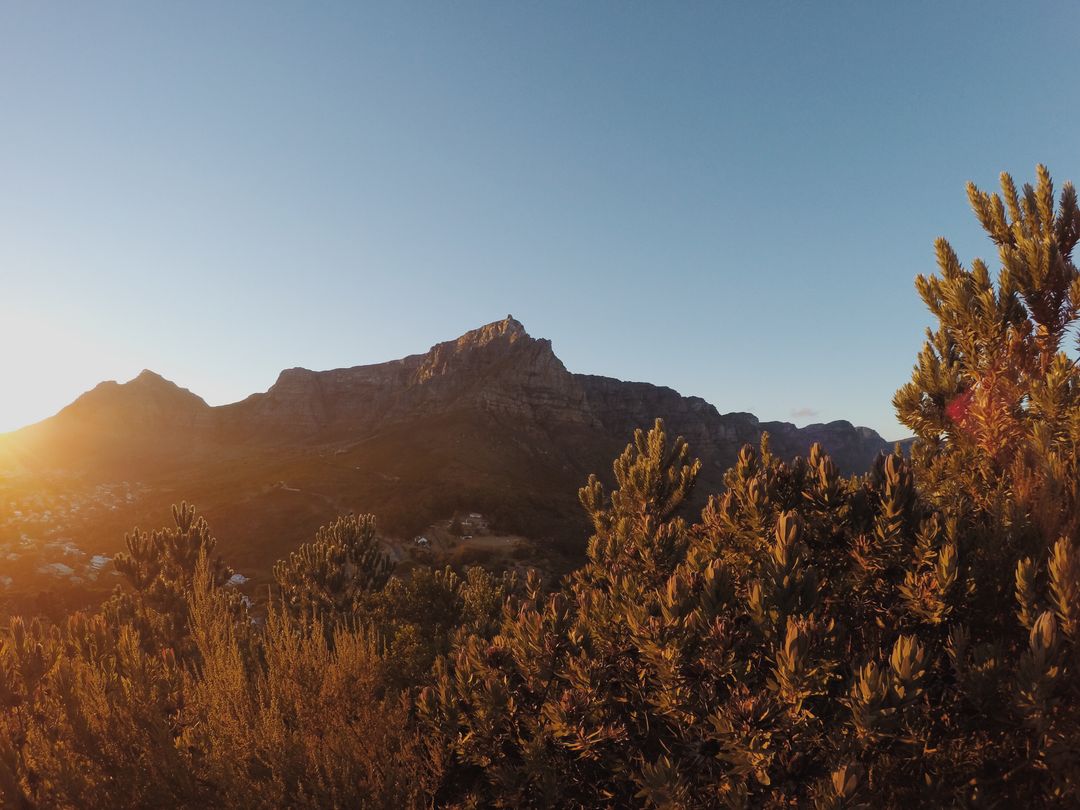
<point>910,637</point>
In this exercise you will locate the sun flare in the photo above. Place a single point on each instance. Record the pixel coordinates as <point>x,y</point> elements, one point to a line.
<point>48,362</point>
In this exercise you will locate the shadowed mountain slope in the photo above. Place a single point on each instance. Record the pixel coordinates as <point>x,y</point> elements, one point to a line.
<point>492,421</point>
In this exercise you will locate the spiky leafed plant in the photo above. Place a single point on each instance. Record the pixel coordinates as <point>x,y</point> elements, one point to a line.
<point>994,400</point>
<point>747,677</point>
<point>323,580</point>
<point>159,568</point>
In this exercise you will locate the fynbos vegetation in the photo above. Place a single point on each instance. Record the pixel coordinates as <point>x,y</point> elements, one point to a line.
<point>910,637</point>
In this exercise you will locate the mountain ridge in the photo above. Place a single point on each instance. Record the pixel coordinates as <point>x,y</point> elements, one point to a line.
<point>491,420</point>
<point>425,368</point>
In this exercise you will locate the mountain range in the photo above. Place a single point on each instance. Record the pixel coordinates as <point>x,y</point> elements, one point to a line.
<point>491,422</point>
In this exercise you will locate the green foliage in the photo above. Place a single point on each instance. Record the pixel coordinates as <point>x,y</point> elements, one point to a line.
<point>312,724</point>
<point>418,617</point>
<point>636,532</point>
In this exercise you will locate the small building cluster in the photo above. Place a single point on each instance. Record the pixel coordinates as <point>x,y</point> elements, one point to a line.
<point>36,524</point>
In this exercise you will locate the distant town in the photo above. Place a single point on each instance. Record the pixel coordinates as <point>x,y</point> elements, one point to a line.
<point>36,528</point>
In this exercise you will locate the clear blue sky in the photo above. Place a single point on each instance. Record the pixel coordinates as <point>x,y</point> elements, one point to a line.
<point>729,199</point>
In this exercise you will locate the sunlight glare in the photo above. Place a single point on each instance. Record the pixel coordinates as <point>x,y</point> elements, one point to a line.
<point>45,364</point>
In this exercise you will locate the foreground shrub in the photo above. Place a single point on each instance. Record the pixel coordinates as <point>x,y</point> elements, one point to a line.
<point>294,716</point>
<point>811,639</point>
<point>908,637</point>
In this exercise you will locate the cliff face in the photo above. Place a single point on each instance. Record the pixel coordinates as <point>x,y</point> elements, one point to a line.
<point>493,417</point>
<point>499,369</point>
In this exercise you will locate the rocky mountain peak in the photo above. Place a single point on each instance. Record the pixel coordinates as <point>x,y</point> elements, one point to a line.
<point>479,349</point>
<point>496,372</point>
<point>148,377</point>
<point>507,331</point>
<point>146,388</point>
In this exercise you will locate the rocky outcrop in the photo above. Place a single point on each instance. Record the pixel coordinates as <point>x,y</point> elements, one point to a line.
<point>497,368</point>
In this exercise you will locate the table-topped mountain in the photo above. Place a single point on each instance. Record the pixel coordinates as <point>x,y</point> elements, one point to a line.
<point>491,421</point>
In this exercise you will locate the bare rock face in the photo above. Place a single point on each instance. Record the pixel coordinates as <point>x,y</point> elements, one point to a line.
<point>473,351</point>
<point>500,369</point>
<point>623,407</point>
<point>497,368</point>
<point>305,403</point>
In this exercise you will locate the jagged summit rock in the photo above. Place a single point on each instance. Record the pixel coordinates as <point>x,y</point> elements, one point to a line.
<point>489,343</point>
<point>146,376</point>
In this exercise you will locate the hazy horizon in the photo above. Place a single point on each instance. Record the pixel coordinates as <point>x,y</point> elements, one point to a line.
<point>731,202</point>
